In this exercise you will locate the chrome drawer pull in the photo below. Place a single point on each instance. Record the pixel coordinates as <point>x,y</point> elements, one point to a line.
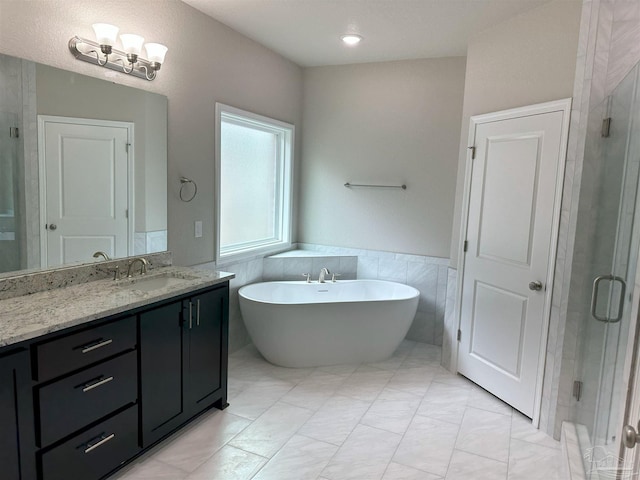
<point>198,312</point>
<point>94,346</point>
<point>91,386</point>
<point>102,441</point>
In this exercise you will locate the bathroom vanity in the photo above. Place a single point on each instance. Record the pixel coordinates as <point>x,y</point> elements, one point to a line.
<point>94,374</point>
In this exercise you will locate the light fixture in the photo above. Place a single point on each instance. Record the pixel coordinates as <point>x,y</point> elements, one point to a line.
<point>156,53</point>
<point>128,60</point>
<point>351,39</point>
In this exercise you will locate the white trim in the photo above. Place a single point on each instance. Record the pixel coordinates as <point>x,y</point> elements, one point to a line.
<point>42,184</point>
<point>286,212</point>
<point>563,106</point>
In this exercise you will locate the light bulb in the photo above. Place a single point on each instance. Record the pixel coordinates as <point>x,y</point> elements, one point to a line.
<point>105,34</point>
<point>131,44</point>
<point>155,52</point>
<point>351,39</point>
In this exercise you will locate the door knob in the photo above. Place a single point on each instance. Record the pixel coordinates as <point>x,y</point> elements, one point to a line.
<point>52,226</point>
<point>535,286</point>
<point>629,436</point>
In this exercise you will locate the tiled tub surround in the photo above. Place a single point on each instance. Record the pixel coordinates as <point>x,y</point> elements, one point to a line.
<point>450,319</point>
<point>405,418</point>
<point>246,272</point>
<point>427,274</point>
<point>30,316</point>
<point>292,265</point>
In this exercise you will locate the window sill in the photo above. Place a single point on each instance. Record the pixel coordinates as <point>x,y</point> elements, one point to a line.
<point>252,254</point>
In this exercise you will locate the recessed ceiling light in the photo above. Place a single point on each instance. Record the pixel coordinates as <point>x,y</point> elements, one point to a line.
<point>351,39</point>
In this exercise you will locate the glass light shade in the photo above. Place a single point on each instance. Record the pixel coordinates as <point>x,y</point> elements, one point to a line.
<point>155,52</point>
<point>131,44</point>
<point>105,34</point>
<point>351,39</point>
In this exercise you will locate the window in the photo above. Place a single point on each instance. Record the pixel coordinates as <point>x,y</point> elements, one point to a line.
<point>254,160</point>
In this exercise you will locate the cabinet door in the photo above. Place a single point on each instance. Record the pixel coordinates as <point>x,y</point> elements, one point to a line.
<point>207,357</point>
<point>16,420</point>
<point>161,371</point>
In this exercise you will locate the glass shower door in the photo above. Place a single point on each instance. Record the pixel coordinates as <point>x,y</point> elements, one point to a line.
<point>610,255</point>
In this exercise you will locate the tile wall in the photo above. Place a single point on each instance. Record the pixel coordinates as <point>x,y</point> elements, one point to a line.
<point>427,274</point>
<point>247,271</point>
<point>149,242</point>
<point>294,267</point>
<point>450,319</point>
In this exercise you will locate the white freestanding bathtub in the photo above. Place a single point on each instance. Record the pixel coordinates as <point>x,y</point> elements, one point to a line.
<point>299,324</point>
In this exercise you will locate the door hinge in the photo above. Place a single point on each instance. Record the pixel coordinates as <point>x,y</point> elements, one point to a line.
<point>459,335</point>
<point>126,213</point>
<point>606,127</point>
<point>473,152</point>
<point>14,132</point>
<point>577,389</point>
<point>126,146</point>
<point>465,246</point>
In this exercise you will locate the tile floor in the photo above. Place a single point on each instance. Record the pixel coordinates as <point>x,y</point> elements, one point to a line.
<point>406,418</point>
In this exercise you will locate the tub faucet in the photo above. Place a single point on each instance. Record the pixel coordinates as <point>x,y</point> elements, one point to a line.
<point>323,272</point>
<point>143,265</point>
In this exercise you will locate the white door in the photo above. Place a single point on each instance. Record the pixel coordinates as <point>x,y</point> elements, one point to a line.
<point>85,167</point>
<point>514,200</point>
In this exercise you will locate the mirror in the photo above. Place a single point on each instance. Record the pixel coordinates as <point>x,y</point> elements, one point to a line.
<point>83,168</point>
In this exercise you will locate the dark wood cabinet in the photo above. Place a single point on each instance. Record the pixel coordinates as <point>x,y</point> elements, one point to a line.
<point>183,361</point>
<point>206,368</point>
<point>83,402</point>
<point>162,356</point>
<point>16,418</point>
<point>73,402</point>
<point>94,452</point>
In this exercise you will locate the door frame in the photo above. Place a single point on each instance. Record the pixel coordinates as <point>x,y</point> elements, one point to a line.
<point>42,184</point>
<point>564,106</point>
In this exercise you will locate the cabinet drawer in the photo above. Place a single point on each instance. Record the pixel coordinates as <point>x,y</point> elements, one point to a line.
<point>76,401</point>
<point>77,350</point>
<point>96,452</point>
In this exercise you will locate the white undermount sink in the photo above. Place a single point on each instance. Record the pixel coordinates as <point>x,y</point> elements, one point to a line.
<point>148,283</point>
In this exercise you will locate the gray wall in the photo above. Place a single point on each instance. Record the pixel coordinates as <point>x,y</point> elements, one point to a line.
<point>391,122</point>
<point>207,62</point>
<point>528,59</point>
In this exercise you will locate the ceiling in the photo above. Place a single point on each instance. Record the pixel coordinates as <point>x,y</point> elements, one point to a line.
<point>308,31</point>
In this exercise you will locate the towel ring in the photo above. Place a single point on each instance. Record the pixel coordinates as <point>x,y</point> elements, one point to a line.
<point>184,181</point>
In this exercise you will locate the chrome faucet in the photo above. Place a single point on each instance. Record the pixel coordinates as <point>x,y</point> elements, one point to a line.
<point>143,265</point>
<point>101,254</point>
<point>323,272</point>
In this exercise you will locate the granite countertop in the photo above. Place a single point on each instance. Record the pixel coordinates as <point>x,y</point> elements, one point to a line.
<point>30,316</point>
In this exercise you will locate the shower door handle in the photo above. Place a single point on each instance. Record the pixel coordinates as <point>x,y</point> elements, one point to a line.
<point>594,298</point>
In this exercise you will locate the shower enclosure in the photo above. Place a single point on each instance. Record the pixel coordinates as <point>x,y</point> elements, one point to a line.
<point>604,268</point>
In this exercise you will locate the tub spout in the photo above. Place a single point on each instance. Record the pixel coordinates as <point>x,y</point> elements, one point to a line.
<point>323,272</point>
